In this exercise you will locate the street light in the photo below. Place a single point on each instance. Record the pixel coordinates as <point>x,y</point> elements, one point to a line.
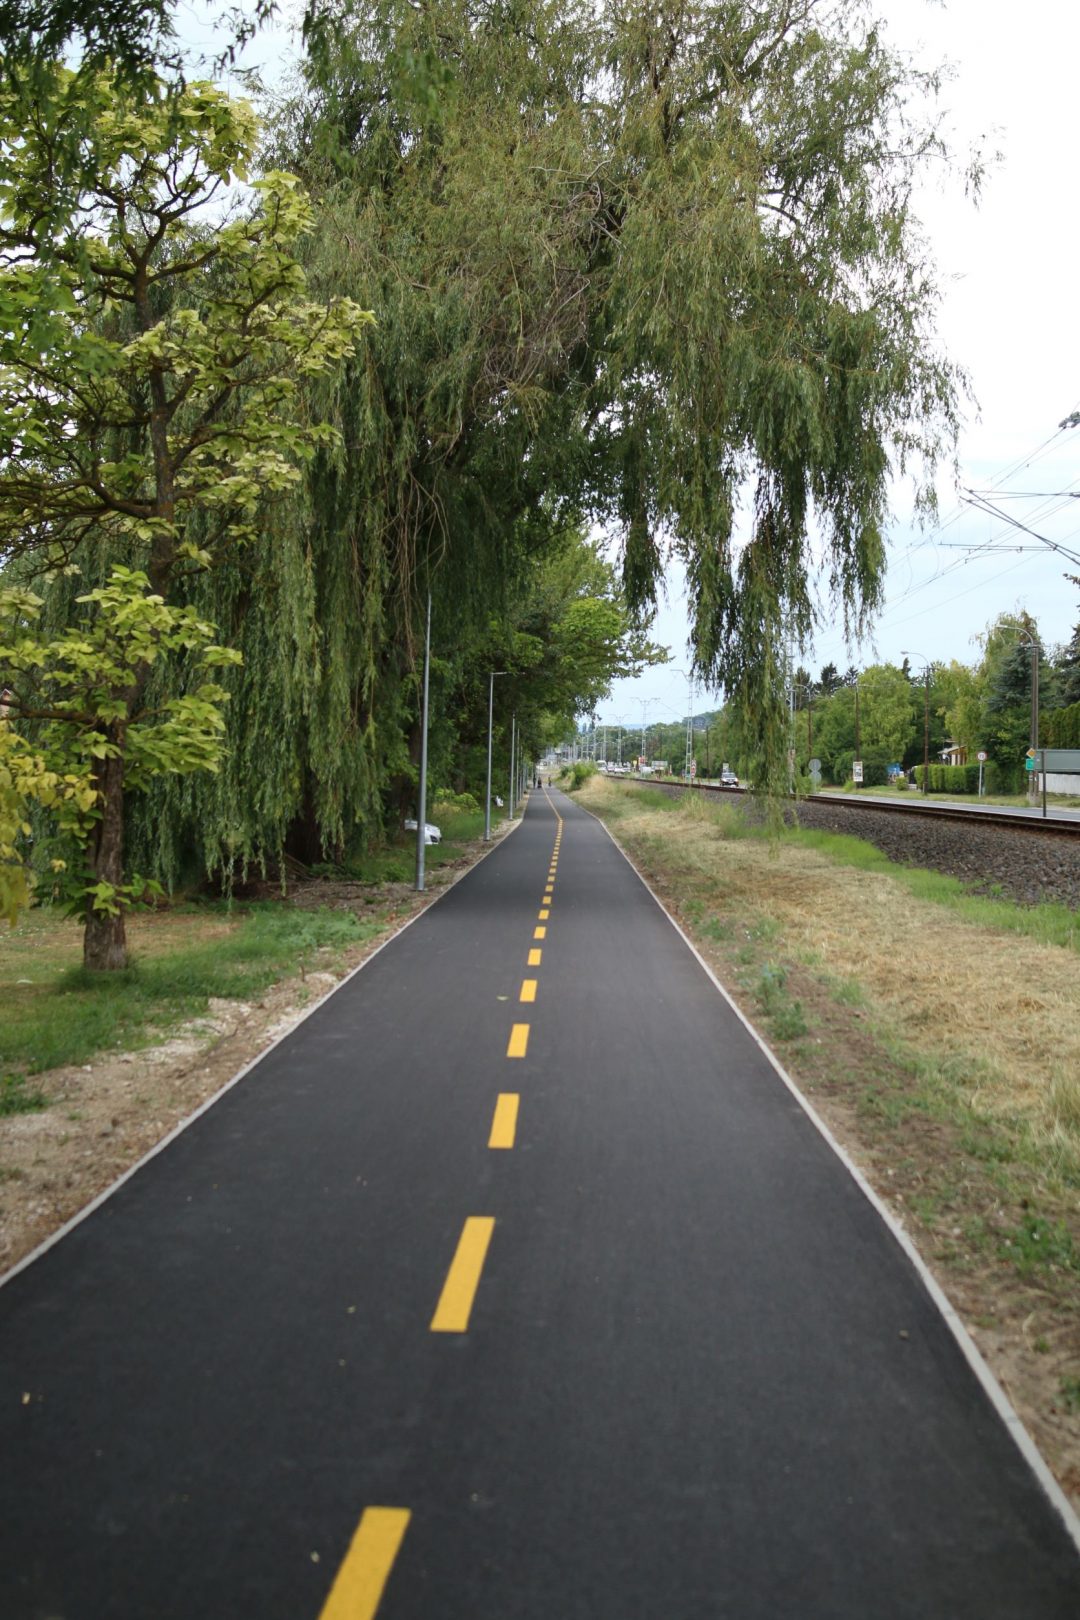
<point>421,809</point>
<point>911,653</point>
<point>494,676</point>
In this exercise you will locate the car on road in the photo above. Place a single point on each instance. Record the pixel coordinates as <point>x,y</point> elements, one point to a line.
<point>728,779</point>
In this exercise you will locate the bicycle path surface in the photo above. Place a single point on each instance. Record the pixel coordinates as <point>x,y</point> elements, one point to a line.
<point>514,1284</point>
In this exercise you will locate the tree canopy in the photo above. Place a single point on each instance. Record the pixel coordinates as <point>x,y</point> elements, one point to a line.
<point>645,272</point>
<point>660,258</point>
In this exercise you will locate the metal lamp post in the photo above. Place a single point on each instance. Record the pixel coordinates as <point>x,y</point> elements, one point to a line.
<point>689,679</point>
<point>495,673</point>
<point>421,809</point>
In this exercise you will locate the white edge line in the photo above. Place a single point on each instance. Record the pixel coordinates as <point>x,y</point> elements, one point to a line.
<point>204,1107</point>
<point>971,1352</point>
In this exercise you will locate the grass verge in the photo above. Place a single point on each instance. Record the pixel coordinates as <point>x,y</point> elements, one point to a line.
<point>56,1014</point>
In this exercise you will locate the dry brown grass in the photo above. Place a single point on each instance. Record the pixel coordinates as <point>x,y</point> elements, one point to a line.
<point>1004,1007</point>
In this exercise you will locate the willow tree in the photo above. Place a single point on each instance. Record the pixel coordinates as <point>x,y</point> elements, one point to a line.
<point>150,360</point>
<point>656,260</point>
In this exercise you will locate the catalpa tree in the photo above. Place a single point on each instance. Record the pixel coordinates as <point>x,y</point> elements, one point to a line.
<point>153,345</point>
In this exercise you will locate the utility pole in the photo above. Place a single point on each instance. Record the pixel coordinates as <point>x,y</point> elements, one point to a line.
<point>513,739</point>
<point>1036,649</point>
<point>646,705</point>
<point>928,671</point>
<point>858,745</point>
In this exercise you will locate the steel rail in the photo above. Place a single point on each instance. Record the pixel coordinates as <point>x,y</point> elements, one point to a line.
<point>1058,826</point>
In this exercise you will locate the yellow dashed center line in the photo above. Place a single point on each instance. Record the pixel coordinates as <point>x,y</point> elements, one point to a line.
<point>528,990</point>
<point>519,1041</point>
<point>358,1589</point>
<point>504,1124</point>
<point>463,1278</point>
<point>539,933</point>
<point>543,914</point>
<point>534,956</point>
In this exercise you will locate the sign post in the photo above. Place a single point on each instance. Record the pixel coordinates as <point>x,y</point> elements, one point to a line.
<point>856,772</point>
<point>982,762</point>
<point>1042,761</point>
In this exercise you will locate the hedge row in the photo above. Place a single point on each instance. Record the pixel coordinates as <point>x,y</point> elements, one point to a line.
<point>950,778</point>
<point>1060,728</point>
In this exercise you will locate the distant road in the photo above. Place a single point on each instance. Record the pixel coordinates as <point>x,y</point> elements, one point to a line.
<point>512,1285</point>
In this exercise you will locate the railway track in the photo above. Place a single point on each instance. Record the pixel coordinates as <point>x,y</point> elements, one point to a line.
<point>1057,825</point>
<point>997,852</point>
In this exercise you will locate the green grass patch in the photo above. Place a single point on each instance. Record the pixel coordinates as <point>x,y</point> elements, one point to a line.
<point>1038,1243</point>
<point>64,1015</point>
<point>786,1018</point>
<point>1048,923</point>
<point>15,1098</point>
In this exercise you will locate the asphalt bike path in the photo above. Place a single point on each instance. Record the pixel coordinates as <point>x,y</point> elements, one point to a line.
<point>512,1285</point>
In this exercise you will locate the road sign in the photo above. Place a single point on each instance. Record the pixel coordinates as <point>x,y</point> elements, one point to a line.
<point>856,770</point>
<point>693,768</point>
<point>1031,753</point>
<point>981,756</point>
<point>1029,763</point>
<point>1062,759</point>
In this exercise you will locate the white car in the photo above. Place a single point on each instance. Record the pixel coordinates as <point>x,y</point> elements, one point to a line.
<point>432,834</point>
<point>728,779</point>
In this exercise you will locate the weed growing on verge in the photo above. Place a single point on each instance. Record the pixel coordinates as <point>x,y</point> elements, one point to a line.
<point>15,1099</point>
<point>786,1016</point>
<point>1037,1242</point>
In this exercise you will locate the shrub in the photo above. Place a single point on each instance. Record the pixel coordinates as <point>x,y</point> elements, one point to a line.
<point>582,770</point>
<point>950,778</point>
<point>1060,728</point>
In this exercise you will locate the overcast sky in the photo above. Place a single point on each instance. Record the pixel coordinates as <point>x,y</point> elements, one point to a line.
<point>1009,269</point>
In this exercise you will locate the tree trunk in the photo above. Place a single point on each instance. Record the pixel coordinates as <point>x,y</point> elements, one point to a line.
<point>104,940</point>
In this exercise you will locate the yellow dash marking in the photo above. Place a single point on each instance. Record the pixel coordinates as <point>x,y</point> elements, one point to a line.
<point>528,990</point>
<point>519,1041</point>
<point>358,1589</point>
<point>463,1278</point>
<point>504,1125</point>
<point>534,956</point>
<point>543,914</point>
<point>539,933</point>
